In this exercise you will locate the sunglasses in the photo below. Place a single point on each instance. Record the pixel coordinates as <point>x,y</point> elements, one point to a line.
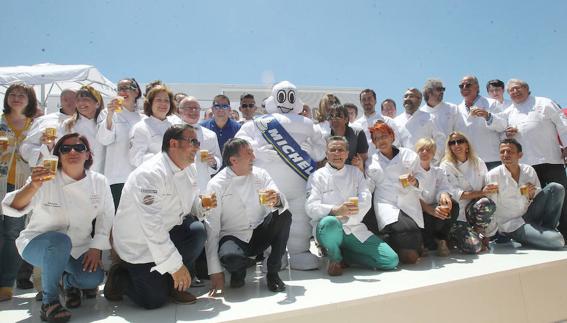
<point>247,106</point>
<point>193,141</point>
<point>465,85</point>
<point>221,106</point>
<point>441,89</point>
<point>80,148</point>
<point>458,141</point>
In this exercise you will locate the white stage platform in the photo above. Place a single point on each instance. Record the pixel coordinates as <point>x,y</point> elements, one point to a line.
<point>508,284</point>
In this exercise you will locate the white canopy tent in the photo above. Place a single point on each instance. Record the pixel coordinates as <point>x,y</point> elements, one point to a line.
<point>50,79</point>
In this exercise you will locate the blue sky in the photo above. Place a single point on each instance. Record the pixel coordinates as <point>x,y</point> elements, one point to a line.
<point>385,45</point>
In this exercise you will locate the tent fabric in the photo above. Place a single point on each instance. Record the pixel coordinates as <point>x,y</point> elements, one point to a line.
<point>50,79</point>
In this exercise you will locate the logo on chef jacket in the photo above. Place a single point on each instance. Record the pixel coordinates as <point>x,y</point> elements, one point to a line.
<point>148,200</point>
<point>95,200</point>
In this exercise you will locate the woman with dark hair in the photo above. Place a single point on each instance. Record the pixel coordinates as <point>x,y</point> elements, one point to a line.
<point>84,121</point>
<point>20,105</point>
<point>146,136</point>
<point>58,237</point>
<point>115,124</point>
<point>466,174</point>
<point>357,142</point>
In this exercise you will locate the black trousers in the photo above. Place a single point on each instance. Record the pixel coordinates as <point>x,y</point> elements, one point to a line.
<point>150,289</point>
<point>435,228</point>
<point>555,173</point>
<point>272,232</point>
<point>403,234</point>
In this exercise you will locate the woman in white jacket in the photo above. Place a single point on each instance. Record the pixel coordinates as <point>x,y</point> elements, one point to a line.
<point>114,127</point>
<point>393,175</point>
<point>58,238</point>
<point>466,174</point>
<point>147,135</point>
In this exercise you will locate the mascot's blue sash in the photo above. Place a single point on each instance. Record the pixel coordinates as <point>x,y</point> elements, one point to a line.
<point>286,147</point>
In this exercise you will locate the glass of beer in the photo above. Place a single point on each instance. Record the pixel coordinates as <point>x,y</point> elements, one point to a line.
<point>204,154</point>
<point>50,163</point>
<point>119,103</point>
<point>263,196</point>
<point>207,201</point>
<point>404,180</point>
<point>4,143</point>
<point>525,190</point>
<point>50,134</point>
<point>353,200</point>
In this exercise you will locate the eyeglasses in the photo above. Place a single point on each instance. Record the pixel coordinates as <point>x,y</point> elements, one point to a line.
<point>190,108</point>
<point>458,141</point>
<point>80,148</point>
<point>441,89</point>
<point>192,141</point>
<point>465,85</point>
<point>335,117</point>
<point>248,106</point>
<point>221,106</point>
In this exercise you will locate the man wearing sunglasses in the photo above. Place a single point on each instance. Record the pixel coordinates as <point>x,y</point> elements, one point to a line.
<point>247,107</point>
<point>221,123</point>
<point>479,121</point>
<point>154,232</point>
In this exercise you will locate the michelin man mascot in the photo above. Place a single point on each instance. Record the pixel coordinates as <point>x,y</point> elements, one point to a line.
<point>287,145</point>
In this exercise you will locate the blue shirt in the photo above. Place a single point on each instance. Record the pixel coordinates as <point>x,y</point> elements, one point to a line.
<point>230,129</point>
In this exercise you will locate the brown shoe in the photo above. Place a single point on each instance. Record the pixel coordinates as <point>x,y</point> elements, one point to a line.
<point>442,249</point>
<point>184,297</point>
<point>5,294</point>
<point>334,269</point>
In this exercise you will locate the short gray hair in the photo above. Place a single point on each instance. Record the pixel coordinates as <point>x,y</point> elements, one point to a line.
<point>429,86</point>
<point>518,81</point>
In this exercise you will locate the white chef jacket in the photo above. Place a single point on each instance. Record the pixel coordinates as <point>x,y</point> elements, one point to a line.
<point>146,139</point>
<point>325,128</point>
<point>68,206</point>
<point>413,127</point>
<point>389,196</point>
<point>483,134</point>
<point>156,197</point>
<point>329,187</point>
<point>511,205</point>
<point>504,105</point>
<point>208,140</point>
<point>539,121</point>
<point>434,182</point>
<point>34,150</point>
<point>238,210</point>
<point>444,114</point>
<point>465,177</point>
<point>365,122</point>
<point>117,167</point>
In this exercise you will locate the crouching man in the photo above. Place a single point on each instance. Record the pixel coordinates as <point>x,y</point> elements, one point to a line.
<point>338,199</point>
<point>251,215</point>
<point>153,232</point>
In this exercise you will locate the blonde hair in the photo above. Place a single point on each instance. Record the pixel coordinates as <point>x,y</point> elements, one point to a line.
<point>325,104</point>
<point>425,143</point>
<point>451,158</point>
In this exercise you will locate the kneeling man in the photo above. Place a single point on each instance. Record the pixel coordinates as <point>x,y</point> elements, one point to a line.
<point>338,199</point>
<point>524,211</point>
<point>154,232</point>
<point>251,215</point>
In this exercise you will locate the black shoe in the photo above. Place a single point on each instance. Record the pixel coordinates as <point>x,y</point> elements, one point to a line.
<point>24,284</point>
<point>237,279</point>
<point>90,293</point>
<point>72,297</point>
<point>39,296</point>
<point>116,283</point>
<point>275,284</point>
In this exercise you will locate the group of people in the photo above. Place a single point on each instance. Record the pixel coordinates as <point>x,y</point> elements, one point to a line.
<point>150,183</point>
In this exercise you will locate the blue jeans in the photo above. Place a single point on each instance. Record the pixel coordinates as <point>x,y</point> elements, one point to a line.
<point>541,219</point>
<point>10,260</point>
<point>51,251</point>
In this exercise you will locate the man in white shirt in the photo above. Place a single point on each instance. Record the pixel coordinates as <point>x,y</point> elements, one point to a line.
<point>370,116</point>
<point>152,232</point>
<point>495,90</point>
<point>388,108</point>
<point>251,215</point>
<point>536,122</point>
<point>414,124</point>
<point>444,114</point>
<point>189,109</point>
<point>524,211</point>
<point>478,120</point>
<point>338,200</point>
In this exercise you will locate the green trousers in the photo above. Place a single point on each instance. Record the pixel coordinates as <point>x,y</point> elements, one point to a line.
<point>372,253</point>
